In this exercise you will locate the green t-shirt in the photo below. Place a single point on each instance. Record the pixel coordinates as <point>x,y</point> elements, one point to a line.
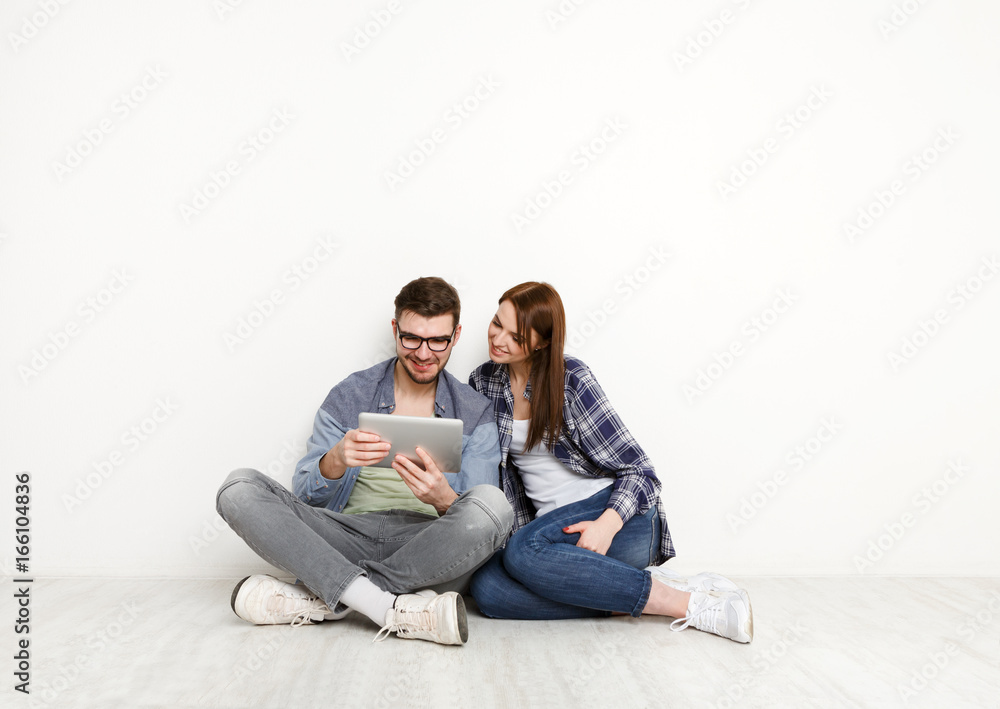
<point>378,489</point>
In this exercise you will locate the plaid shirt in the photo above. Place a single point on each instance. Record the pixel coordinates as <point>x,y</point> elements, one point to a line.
<point>593,442</point>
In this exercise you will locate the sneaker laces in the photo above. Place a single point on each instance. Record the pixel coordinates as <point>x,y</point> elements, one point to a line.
<point>405,623</point>
<point>283,603</point>
<point>707,614</point>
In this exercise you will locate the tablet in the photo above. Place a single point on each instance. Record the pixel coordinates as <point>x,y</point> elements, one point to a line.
<point>440,438</point>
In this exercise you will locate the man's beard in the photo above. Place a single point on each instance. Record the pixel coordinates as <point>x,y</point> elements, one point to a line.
<point>418,378</point>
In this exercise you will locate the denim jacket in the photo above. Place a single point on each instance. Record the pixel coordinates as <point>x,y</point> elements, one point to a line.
<point>371,390</point>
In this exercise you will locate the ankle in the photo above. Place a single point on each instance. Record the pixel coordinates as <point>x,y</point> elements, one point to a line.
<point>666,600</point>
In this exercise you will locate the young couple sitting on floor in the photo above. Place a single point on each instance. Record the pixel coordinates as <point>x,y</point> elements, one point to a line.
<point>555,513</point>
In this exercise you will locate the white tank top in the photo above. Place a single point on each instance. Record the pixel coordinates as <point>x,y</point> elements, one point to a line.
<point>548,483</point>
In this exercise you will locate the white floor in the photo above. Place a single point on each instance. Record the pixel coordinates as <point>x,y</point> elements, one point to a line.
<point>819,642</point>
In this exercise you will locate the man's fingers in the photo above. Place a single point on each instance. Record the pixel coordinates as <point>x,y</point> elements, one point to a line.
<point>429,463</point>
<point>410,466</point>
<point>357,457</point>
<point>380,447</point>
<point>408,477</point>
<point>357,445</point>
<point>370,456</point>
<point>412,480</point>
<point>363,437</point>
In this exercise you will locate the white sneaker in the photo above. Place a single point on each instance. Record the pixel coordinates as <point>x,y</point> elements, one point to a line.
<point>427,616</point>
<point>705,581</point>
<point>265,600</point>
<point>727,614</point>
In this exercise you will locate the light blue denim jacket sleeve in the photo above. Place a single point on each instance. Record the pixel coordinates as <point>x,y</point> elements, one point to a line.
<point>480,458</point>
<point>372,390</point>
<point>307,483</point>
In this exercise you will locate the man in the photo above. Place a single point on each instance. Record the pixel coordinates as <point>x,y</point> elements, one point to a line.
<point>397,545</point>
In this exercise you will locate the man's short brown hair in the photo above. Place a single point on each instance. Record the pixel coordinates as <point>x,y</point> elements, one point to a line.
<point>429,296</point>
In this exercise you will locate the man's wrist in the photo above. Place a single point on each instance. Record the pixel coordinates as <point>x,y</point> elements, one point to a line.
<point>441,509</point>
<point>330,467</point>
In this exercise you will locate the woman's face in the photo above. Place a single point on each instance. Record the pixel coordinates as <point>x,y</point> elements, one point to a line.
<point>505,346</point>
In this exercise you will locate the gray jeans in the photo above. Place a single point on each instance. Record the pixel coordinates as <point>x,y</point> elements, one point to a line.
<point>398,550</point>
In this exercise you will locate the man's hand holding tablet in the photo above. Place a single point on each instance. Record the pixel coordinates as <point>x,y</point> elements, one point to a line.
<point>418,448</point>
<point>427,483</point>
<point>356,449</point>
<point>440,439</point>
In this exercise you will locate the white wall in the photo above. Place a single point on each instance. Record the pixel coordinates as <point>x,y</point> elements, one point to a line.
<point>875,88</point>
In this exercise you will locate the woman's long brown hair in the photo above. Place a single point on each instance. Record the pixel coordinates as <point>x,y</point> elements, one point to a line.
<point>539,308</point>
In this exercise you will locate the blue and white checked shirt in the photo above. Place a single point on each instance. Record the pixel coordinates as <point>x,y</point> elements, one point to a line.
<point>593,442</point>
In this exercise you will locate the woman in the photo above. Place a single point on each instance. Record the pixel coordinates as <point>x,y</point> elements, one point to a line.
<point>588,518</point>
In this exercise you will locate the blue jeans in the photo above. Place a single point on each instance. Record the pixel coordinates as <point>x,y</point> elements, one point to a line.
<point>543,575</point>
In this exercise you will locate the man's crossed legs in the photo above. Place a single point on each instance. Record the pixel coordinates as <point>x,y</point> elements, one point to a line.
<point>373,563</point>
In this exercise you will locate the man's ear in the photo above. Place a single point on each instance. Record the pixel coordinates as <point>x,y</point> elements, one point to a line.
<point>454,339</point>
<point>393,321</point>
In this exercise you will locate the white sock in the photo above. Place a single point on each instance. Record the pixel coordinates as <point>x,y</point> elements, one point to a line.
<point>365,597</point>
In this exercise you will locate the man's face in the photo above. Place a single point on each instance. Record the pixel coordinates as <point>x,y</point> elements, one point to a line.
<point>423,365</point>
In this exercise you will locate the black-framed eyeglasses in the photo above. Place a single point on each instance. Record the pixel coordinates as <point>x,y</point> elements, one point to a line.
<point>434,344</point>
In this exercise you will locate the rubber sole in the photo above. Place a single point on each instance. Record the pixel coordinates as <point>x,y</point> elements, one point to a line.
<point>232,601</point>
<point>463,622</point>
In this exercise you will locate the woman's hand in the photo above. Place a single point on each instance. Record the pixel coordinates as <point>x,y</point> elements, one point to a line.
<point>598,534</point>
